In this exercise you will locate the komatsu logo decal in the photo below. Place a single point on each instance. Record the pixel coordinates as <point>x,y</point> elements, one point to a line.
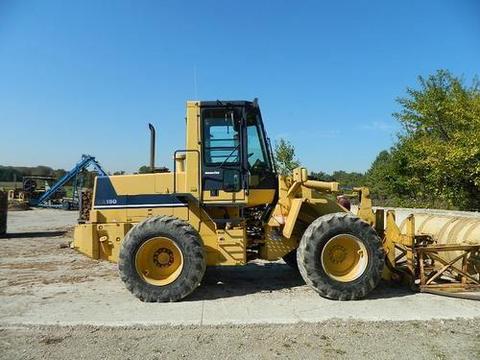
<point>212,172</point>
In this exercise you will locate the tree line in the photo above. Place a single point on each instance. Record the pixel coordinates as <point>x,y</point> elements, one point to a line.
<point>16,173</point>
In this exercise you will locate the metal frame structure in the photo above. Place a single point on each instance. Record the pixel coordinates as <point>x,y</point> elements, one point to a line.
<point>85,162</point>
<point>418,260</point>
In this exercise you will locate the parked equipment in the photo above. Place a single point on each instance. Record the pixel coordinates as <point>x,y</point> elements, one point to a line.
<point>48,194</point>
<point>435,254</point>
<point>225,204</point>
<point>34,187</point>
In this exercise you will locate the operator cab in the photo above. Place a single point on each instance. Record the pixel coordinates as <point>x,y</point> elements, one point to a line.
<point>236,155</point>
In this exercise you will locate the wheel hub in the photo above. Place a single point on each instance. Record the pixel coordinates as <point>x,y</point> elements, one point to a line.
<point>344,258</point>
<point>159,261</point>
<point>163,257</point>
<point>337,254</point>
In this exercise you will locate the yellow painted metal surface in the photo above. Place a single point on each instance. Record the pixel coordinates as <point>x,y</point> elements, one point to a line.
<point>448,229</point>
<point>100,241</point>
<point>159,261</point>
<point>344,258</point>
<point>110,237</point>
<point>292,217</point>
<point>365,206</point>
<point>192,158</point>
<point>393,238</point>
<point>224,197</point>
<point>317,202</point>
<point>260,196</point>
<point>276,246</point>
<point>231,246</point>
<point>85,240</point>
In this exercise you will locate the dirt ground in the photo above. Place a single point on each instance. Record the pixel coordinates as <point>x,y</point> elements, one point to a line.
<point>453,339</point>
<point>56,303</point>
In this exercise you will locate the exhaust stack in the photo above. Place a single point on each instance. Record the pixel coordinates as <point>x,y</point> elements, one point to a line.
<point>152,147</point>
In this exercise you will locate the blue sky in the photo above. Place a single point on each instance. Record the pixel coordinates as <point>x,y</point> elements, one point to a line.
<point>87,76</point>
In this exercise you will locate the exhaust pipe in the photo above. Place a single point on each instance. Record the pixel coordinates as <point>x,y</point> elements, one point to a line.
<point>152,147</point>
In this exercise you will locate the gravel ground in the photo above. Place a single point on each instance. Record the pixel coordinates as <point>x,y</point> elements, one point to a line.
<point>333,339</point>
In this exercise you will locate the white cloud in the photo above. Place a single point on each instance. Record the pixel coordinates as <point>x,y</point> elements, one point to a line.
<point>379,126</point>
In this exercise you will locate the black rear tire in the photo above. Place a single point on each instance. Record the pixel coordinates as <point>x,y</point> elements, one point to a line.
<point>314,240</point>
<point>188,242</point>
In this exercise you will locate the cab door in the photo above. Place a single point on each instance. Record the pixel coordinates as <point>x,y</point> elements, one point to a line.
<point>223,175</point>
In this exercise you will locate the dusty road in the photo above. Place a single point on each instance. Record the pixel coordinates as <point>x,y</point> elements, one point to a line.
<point>55,302</point>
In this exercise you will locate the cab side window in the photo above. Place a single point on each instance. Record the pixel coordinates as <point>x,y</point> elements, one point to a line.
<point>221,139</point>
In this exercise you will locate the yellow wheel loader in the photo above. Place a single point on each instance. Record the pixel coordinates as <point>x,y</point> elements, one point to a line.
<point>225,204</point>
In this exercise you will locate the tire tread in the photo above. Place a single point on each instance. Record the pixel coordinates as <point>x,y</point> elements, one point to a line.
<point>317,234</point>
<point>186,237</point>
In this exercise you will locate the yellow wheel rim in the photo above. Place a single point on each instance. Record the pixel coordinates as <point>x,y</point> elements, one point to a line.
<point>159,261</point>
<point>344,258</point>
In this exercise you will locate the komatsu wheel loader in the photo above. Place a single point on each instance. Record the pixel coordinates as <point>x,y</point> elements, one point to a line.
<point>225,204</point>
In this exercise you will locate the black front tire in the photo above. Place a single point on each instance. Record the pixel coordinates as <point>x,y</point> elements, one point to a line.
<point>314,240</point>
<point>187,240</point>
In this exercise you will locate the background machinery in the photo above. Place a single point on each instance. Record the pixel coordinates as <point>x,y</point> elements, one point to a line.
<point>224,204</point>
<point>73,174</point>
<point>46,191</point>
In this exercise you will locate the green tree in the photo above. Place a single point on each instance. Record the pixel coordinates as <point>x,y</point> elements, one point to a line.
<point>436,160</point>
<point>59,173</point>
<point>285,159</point>
<point>321,176</point>
<point>144,169</point>
<point>389,181</point>
<point>379,175</point>
<point>348,179</point>
<point>441,122</point>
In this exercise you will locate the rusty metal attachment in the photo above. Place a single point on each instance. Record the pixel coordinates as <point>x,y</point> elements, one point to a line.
<point>429,263</point>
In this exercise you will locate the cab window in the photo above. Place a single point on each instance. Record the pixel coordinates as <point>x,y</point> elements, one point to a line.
<point>256,154</point>
<point>221,138</point>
